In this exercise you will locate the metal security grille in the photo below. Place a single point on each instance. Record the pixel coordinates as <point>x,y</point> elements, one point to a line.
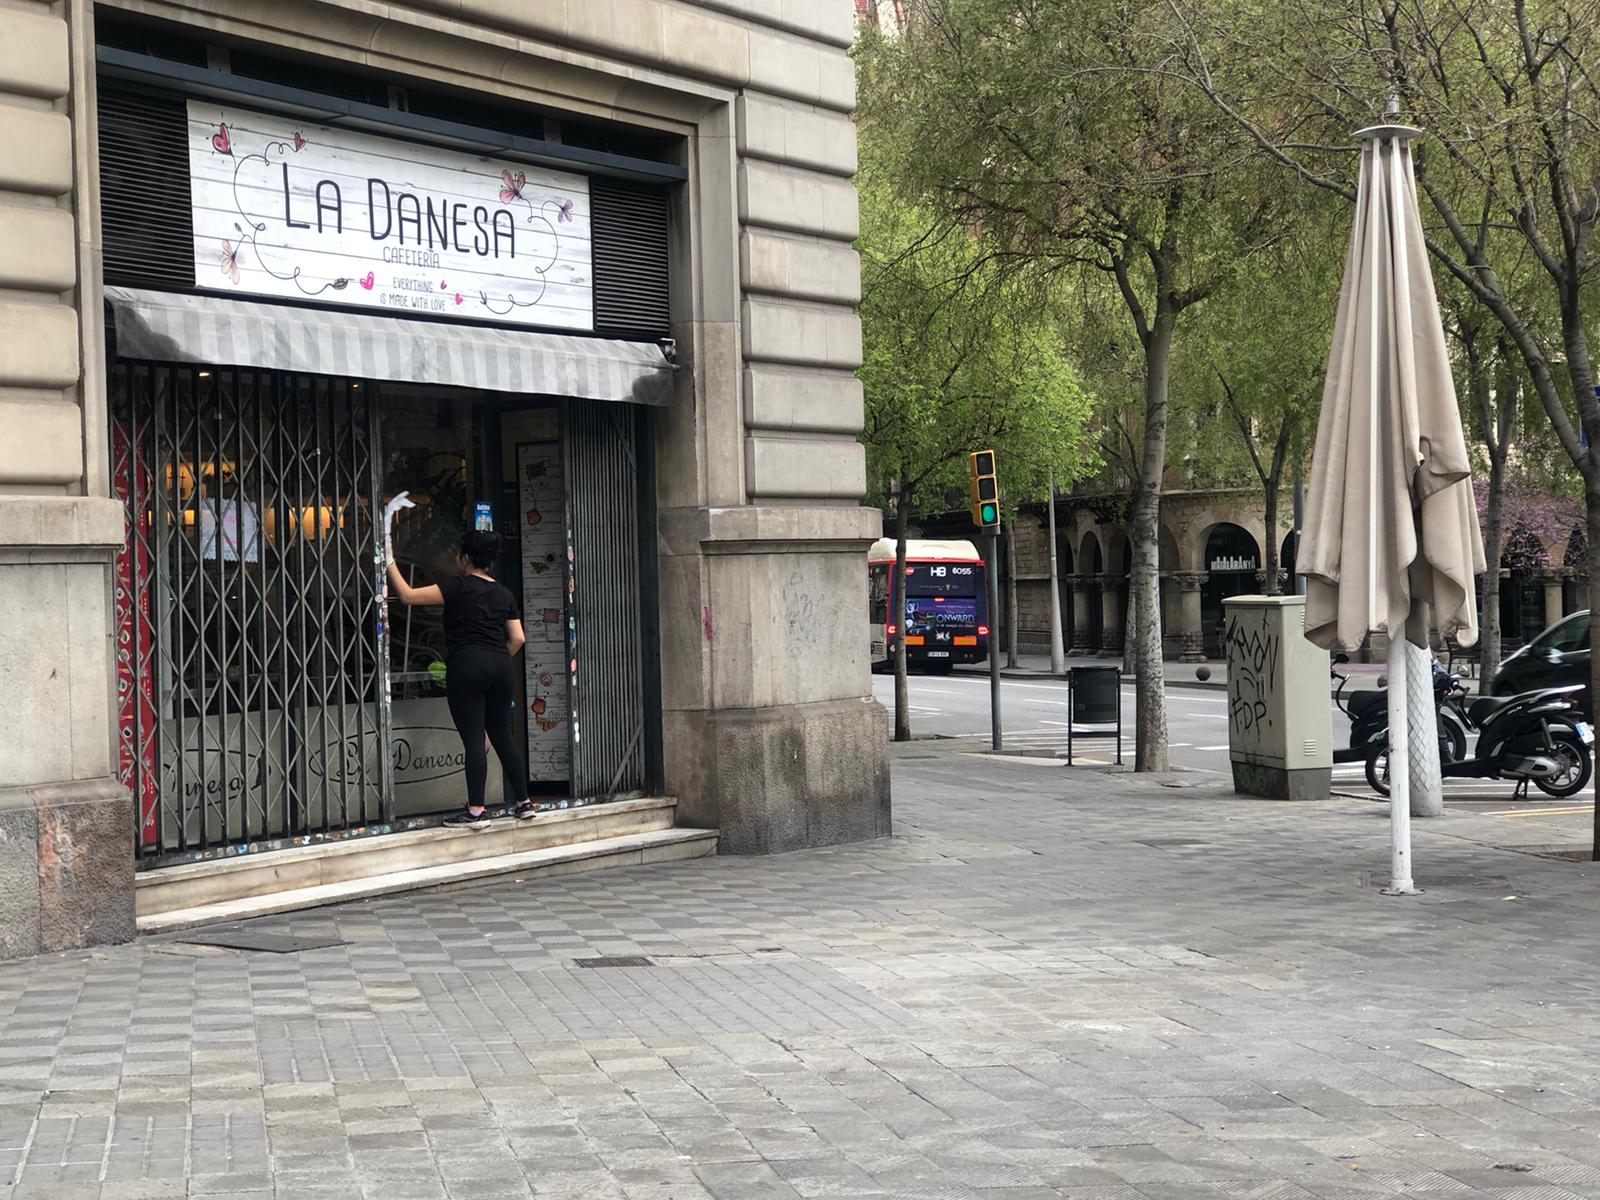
<point>600,452</point>
<point>250,643</point>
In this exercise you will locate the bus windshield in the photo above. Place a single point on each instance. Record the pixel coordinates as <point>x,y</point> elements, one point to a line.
<point>942,579</point>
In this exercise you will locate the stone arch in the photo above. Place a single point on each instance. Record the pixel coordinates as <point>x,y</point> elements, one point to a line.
<point>1575,553</point>
<point>1167,557</point>
<point>1118,551</point>
<point>1230,557</point>
<point>1229,541</point>
<point>1091,556</point>
<point>1524,560</point>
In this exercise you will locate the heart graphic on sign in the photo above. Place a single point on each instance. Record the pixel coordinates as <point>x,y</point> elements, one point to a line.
<point>458,297</point>
<point>367,282</point>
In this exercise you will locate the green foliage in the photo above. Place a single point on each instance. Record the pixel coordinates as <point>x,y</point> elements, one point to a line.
<point>1258,351</point>
<point>960,353</point>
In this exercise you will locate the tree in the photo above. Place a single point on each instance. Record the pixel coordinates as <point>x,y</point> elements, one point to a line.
<point>956,357</point>
<point>1058,134</point>
<point>1255,361</point>
<point>1494,394</point>
<point>1510,166</point>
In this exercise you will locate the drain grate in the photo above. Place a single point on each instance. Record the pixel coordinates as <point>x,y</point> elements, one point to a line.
<point>616,960</point>
<point>259,940</point>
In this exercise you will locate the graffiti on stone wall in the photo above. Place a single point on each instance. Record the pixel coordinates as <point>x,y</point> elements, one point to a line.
<point>1252,654</point>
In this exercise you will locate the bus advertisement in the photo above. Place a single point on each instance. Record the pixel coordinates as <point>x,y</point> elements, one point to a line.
<point>947,611</point>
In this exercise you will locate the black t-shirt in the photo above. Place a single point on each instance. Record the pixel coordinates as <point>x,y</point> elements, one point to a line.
<point>475,613</point>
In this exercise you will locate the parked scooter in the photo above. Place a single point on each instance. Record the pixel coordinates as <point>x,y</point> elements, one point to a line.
<point>1368,711</point>
<point>1534,738</point>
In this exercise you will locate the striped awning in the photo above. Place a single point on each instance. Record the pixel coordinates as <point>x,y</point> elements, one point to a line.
<point>168,327</point>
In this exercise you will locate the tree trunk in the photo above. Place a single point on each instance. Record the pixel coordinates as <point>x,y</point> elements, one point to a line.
<point>1489,636</point>
<point>1011,583</point>
<point>1592,553</point>
<point>1150,711</point>
<point>1273,485</point>
<point>1058,651</point>
<point>1270,556</point>
<point>902,686</point>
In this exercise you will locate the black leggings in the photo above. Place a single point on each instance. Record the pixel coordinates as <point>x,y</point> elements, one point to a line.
<point>479,686</point>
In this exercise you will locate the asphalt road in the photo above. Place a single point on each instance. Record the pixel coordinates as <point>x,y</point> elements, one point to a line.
<point>1035,724</point>
<point>1035,718</point>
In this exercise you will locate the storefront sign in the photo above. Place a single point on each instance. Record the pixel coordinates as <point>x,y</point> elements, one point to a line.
<point>1233,562</point>
<point>308,212</point>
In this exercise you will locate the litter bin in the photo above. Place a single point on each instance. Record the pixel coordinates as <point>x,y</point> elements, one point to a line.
<point>1094,702</point>
<point>1280,721</point>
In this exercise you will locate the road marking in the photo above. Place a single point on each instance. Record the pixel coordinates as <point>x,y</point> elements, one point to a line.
<point>1211,747</point>
<point>1522,812</point>
<point>1545,812</point>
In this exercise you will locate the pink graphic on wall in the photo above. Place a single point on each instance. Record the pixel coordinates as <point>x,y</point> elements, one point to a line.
<point>135,649</point>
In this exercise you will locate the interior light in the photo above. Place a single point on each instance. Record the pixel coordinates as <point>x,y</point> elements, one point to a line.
<point>205,374</point>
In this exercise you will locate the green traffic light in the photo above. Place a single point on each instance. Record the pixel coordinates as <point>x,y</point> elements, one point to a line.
<point>990,516</point>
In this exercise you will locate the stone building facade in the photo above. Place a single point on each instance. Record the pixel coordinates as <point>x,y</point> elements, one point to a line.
<point>757,697</point>
<point>1212,545</point>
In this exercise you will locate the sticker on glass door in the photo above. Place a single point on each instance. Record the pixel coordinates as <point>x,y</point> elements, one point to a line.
<point>541,502</point>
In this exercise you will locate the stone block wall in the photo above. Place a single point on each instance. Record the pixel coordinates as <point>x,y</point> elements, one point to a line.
<point>66,828</point>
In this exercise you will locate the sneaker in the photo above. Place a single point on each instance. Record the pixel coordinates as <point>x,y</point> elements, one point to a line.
<point>466,819</point>
<point>524,811</point>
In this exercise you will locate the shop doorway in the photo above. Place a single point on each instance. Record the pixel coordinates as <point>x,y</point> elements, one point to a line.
<point>268,698</point>
<point>577,490</point>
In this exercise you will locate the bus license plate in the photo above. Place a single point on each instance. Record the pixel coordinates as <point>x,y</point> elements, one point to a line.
<point>938,654</point>
<point>1586,733</point>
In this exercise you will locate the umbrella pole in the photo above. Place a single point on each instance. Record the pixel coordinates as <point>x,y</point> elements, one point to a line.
<point>1400,882</point>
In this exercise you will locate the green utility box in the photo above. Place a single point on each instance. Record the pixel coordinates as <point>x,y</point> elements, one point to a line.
<point>1280,723</point>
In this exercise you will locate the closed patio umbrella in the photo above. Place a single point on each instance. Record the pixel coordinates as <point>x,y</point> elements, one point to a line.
<point>1391,528</point>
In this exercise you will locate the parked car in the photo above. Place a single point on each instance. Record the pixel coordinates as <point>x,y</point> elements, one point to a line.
<point>1559,655</point>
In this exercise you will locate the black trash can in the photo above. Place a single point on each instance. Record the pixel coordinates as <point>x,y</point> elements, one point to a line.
<point>1094,706</point>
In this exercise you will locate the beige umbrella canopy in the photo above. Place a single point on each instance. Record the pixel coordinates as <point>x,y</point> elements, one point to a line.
<point>1390,517</point>
<point>1391,529</point>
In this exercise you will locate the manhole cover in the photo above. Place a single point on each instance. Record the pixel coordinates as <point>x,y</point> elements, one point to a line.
<point>617,960</point>
<point>265,943</point>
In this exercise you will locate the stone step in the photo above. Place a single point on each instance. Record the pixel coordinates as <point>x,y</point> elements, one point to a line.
<point>660,845</point>
<point>198,884</point>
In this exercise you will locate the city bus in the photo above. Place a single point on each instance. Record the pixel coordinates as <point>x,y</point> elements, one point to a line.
<point>947,611</point>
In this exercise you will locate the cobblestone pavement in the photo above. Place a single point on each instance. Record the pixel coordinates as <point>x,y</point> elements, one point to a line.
<point>1049,983</point>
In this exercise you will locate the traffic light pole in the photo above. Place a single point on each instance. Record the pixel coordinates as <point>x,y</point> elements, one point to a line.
<point>994,641</point>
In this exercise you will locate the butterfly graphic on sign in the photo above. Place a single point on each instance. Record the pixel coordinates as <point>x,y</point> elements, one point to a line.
<point>511,186</point>
<point>230,260</point>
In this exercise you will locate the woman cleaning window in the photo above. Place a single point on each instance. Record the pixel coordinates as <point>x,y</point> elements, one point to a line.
<point>482,633</point>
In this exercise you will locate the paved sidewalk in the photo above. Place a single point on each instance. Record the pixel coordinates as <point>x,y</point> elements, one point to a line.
<point>1049,983</point>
